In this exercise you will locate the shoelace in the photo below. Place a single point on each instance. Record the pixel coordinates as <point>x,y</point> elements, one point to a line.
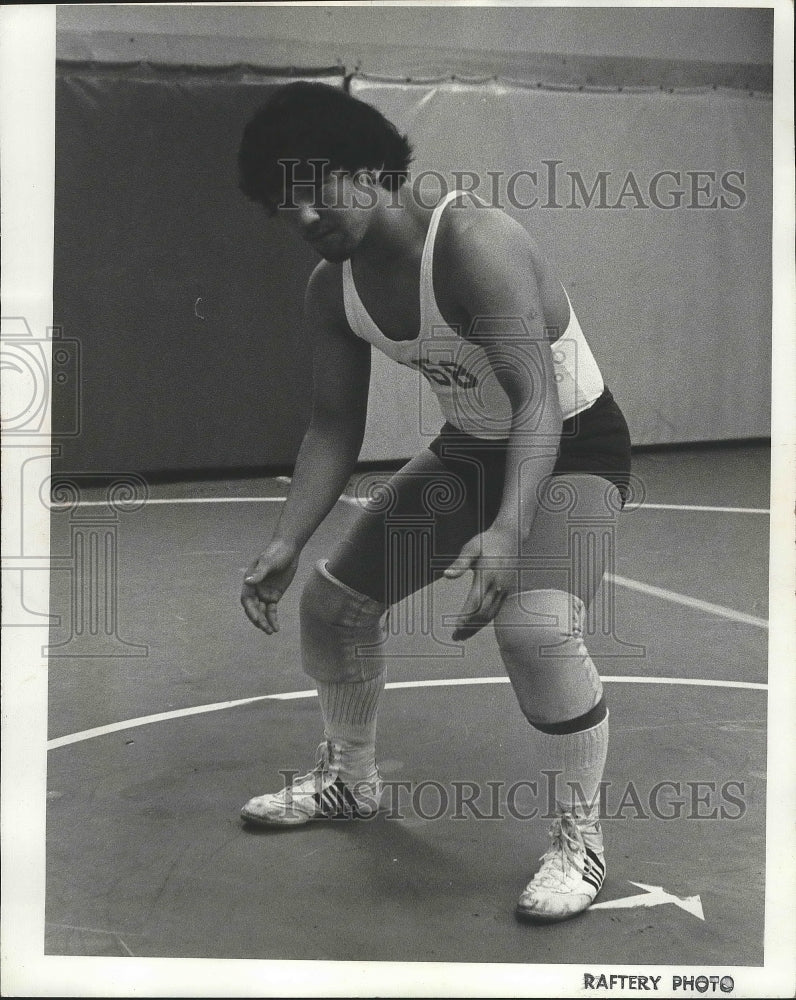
<point>317,774</point>
<point>323,757</point>
<point>566,849</point>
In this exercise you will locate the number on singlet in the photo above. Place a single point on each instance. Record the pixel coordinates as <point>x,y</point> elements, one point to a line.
<point>446,373</point>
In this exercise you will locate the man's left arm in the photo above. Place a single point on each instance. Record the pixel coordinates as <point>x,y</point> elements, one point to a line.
<point>491,265</point>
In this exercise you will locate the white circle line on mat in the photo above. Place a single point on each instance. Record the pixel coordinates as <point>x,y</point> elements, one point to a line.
<point>179,713</point>
<point>353,500</point>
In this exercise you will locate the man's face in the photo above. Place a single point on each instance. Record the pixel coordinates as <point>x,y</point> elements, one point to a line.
<point>333,217</point>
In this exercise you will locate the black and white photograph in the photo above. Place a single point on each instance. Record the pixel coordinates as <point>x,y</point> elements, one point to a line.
<point>398,452</point>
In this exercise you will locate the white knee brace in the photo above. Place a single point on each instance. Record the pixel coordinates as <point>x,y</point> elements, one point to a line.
<point>540,636</point>
<point>342,631</point>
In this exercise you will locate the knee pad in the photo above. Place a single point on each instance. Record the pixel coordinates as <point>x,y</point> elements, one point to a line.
<point>342,631</point>
<point>540,636</point>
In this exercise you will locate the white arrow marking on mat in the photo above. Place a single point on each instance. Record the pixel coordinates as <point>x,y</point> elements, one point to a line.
<point>654,895</point>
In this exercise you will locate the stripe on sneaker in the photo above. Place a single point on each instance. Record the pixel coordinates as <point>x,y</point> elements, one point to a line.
<point>596,860</point>
<point>592,879</point>
<point>336,800</point>
<point>350,804</point>
<point>324,803</point>
<point>593,869</point>
<point>328,801</point>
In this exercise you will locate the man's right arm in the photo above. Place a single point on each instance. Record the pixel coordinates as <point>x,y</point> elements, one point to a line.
<point>329,450</point>
<point>331,445</point>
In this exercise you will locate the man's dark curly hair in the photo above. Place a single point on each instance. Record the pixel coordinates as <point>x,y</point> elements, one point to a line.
<point>308,122</point>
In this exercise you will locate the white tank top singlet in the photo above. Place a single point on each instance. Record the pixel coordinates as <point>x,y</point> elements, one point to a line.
<point>459,371</point>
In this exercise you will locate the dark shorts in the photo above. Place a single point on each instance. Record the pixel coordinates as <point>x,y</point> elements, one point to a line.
<point>595,442</point>
<point>414,528</point>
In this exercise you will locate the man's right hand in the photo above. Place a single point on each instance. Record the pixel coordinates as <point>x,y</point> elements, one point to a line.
<point>265,582</point>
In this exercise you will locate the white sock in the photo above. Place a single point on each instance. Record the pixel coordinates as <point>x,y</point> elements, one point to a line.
<point>349,722</point>
<point>579,761</point>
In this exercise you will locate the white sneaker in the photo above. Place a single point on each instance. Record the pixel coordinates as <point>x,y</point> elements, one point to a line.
<point>320,794</point>
<point>571,875</point>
